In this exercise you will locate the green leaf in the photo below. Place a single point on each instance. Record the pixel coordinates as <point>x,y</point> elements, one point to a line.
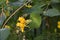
<point>37,8</point>
<point>55,1</point>
<point>4,33</point>
<point>22,0</point>
<point>56,6</point>
<point>18,3</point>
<point>52,13</point>
<point>36,20</point>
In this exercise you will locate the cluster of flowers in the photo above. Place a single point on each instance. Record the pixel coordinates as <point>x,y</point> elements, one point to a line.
<point>22,23</point>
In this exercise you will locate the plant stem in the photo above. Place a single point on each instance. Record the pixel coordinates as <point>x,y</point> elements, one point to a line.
<point>14,13</point>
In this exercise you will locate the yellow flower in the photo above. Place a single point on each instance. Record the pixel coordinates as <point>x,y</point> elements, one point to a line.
<point>18,24</point>
<point>58,22</point>
<point>22,29</point>
<point>28,6</point>
<point>22,25</point>
<point>21,19</point>
<point>58,26</point>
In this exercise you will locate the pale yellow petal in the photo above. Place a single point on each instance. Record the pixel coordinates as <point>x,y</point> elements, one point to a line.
<point>6,26</point>
<point>22,29</point>
<point>28,21</point>
<point>18,24</point>
<point>22,25</point>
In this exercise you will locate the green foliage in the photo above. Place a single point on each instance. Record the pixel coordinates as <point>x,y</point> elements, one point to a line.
<point>46,37</point>
<point>2,1</point>
<point>4,33</point>
<point>36,20</point>
<point>52,13</point>
<point>55,1</point>
<point>37,13</point>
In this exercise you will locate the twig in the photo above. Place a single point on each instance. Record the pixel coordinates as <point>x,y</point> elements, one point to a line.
<point>14,13</point>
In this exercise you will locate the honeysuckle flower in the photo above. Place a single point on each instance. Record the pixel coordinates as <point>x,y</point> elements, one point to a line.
<point>22,23</point>
<point>21,26</point>
<point>21,19</point>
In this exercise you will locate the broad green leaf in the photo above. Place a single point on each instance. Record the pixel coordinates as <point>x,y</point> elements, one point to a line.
<point>37,8</point>
<point>56,6</point>
<point>22,1</point>
<point>4,33</point>
<point>55,1</point>
<point>36,20</point>
<point>16,3</point>
<point>52,13</point>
